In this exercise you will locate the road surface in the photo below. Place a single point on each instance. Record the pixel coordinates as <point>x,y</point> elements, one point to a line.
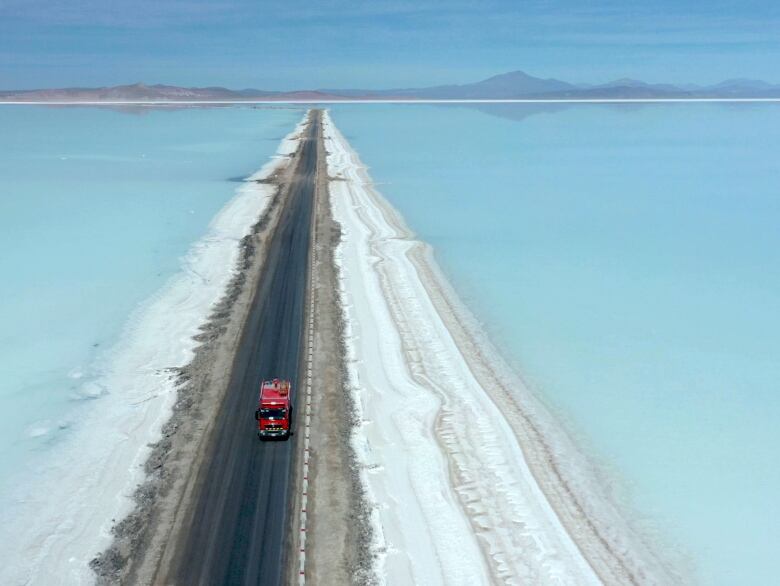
<point>240,519</point>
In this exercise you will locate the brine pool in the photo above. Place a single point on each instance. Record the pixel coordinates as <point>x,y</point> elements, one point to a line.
<point>626,260</point>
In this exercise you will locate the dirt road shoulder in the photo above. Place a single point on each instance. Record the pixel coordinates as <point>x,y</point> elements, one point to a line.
<point>337,528</point>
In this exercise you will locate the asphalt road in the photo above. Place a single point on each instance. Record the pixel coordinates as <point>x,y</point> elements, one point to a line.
<point>240,521</point>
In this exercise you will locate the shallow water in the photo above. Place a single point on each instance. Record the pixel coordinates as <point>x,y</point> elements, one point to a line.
<point>97,209</point>
<point>627,261</point>
<point>624,258</point>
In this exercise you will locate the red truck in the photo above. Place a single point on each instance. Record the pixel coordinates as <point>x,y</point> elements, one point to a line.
<point>274,409</point>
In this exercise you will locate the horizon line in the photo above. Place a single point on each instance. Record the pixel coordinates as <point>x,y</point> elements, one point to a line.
<point>381,101</point>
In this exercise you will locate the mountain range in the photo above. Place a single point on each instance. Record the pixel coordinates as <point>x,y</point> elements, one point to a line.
<point>512,85</point>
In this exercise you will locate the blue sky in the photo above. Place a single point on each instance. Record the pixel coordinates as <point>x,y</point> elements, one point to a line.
<point>292,44</point>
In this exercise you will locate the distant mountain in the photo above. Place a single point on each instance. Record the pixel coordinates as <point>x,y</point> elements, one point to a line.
<point>637,84</point>
<point>140,92</point>
<point>520,85</point>
<point>620,90</point>
<point>744,87</point>
<point>512,85</point>
<point>632,88</point>
<point>516,84</point>
<point>753,84</point>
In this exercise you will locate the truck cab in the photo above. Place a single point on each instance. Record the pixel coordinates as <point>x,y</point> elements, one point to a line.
<point>274,410</point>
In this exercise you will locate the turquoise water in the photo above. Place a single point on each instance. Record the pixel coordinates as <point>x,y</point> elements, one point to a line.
<point>97,207</point>
<point>627,261</point>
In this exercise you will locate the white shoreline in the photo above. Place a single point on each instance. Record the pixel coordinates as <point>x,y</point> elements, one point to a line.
<point>420,101</point>
<point>457,470</point>
<point>64,510</point>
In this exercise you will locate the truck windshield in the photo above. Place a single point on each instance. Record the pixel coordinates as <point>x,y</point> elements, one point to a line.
<point>273,413</point>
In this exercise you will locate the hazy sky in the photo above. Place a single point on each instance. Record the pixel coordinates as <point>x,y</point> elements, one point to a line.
<point>292,44</point>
